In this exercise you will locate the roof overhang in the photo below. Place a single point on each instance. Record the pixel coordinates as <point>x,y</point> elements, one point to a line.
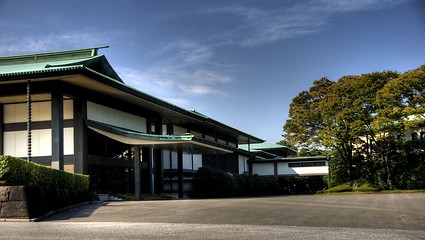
<point>186,142</point>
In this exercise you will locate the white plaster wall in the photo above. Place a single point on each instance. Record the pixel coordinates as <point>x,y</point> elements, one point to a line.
<point>115,117</point>
<point>68,141</point>
<point>284,169</point>
<point>40,111</point>
<point>197,134</point>
<point>15,143</point>
<point>263,169</point>
<point>17,113</point>
<point>68,109</point>
<point>309,171</point>
<point>179,130</point>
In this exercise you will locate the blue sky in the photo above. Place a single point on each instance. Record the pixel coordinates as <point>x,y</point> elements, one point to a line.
<point>238,61</point>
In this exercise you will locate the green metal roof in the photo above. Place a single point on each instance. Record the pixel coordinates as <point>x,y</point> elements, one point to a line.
<point>56,62</point>
<point>263,146</point>
<point>185,141</point>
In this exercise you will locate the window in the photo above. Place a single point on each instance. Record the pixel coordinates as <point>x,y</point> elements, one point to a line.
<point>319,164</point>
<point>422,135</point>
<point>294,165</point>
<point>307,164</point>
<point>414,136</point>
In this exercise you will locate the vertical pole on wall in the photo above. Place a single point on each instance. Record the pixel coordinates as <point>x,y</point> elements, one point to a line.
<point>137,173</point>
<point>29,119</point>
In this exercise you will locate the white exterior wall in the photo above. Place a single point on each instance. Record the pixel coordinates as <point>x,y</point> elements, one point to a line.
<point>284,169</point>
<point>15,142</point>
<point>267,169</point>
<point>115,117</point>
<point>179,130</point>
<point>263,169</point>
<point>40,111</point>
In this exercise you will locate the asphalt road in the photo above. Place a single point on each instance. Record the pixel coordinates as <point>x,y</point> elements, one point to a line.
<point>371,216</point>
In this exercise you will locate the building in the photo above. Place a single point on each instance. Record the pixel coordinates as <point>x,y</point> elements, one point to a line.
<point>70,110</point>
<point>274,160</point>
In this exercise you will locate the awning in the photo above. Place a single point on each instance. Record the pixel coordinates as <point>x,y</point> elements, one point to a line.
<point>185,142</point>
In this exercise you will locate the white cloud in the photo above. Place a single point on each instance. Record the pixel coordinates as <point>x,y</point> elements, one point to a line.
<point>259,26</point>
<point>165,82</point>
<point>184,52</point>
<point>186,66</point>
<point>54,42</point>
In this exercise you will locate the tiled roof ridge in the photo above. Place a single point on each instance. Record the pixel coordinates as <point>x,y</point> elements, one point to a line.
<point>50,56</point>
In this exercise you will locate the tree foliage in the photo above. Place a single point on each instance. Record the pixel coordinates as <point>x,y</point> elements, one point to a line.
<point>362,119</point>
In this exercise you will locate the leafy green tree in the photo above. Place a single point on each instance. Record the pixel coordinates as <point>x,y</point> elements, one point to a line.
<point>305,121</point>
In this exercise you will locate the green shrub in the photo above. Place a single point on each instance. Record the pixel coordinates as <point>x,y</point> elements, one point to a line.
<point>346,187</point>
<point>366,188</point>
<point>210,183</point>
<point>15,171</point>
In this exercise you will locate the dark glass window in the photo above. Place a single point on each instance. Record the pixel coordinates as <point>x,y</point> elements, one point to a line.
<point>414,136</point>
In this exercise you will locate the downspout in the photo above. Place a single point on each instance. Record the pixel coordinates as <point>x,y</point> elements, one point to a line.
<point>29,120</point>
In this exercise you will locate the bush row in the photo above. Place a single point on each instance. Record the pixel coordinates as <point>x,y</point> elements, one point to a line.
<point>354,187</point>
<point>210,183</point>
<point>15,171</point>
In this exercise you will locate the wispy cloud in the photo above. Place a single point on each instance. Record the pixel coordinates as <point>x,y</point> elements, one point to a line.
<point>259,26</point>
<point>187,67</point>
<point>166,81</point>
<point>53,42</point>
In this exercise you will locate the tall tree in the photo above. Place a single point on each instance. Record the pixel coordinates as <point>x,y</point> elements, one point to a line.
<point>305,121</point>
<point>337,115</point>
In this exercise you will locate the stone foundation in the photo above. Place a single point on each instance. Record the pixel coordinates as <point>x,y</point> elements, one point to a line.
<point>20,202</point>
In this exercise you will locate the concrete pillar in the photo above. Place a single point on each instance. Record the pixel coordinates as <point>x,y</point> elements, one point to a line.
<point>276,172</point>
<point>137,173</point>
<point>159,167</point>
<point>80,137</point>
<point>57,130</point>
<point>180,172</point>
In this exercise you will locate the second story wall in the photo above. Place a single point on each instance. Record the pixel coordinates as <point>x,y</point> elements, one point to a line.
<point>111,116</point>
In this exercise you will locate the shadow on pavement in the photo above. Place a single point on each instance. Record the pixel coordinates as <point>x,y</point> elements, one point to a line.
<point>83,211</point>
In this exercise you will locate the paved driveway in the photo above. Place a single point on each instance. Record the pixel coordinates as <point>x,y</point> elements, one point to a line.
<point>374,216</point>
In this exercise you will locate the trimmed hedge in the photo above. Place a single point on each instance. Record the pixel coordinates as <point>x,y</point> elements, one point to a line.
<point>15,172</point>
<point>211,183</point>
<point>347,187</point>
<point>340,188</point>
